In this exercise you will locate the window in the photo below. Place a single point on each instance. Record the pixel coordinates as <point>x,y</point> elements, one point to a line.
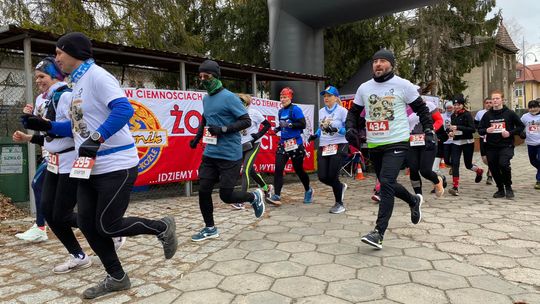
<point>518,73</point>
<point>518,90</point>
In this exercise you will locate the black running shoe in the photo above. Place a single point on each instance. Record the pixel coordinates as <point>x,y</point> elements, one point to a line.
<point>416,210</point>
<point>509,193</point>
<point>108,285</point>
<point>499,194</point>
<point>374,238</point>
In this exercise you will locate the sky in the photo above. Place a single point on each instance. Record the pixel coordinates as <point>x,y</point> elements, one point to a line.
<point>524,14</point>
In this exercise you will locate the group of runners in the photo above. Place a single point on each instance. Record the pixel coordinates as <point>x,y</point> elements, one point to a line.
<point>90,158</point>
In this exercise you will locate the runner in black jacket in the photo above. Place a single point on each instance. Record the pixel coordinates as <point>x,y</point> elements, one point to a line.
<point>500,124</point>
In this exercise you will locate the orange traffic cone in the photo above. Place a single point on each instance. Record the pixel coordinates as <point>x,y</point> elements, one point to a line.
<point>442,165</point>
<point>359,174</point>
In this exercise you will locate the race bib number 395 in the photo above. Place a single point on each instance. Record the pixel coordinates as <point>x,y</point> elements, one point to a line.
<point>82,167</point>
<point>378,128</point>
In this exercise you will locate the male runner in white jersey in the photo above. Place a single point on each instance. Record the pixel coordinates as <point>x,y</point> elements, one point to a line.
<point>385,98</point>
<point>100,113</point>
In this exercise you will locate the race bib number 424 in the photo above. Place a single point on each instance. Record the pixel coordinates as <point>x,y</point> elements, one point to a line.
<point>378,128</point>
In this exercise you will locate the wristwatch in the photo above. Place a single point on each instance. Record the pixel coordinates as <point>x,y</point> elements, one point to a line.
<point>96,136</point>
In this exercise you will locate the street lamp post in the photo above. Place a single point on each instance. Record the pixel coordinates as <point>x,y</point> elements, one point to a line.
<point>524,73</point>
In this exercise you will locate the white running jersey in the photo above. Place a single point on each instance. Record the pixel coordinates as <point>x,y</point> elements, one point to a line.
<point>385,104</point>
<point>532,128</point>
<point>89,110</point>
<point>39,110</point>
<point>336,119</point>
<point>256,119</point>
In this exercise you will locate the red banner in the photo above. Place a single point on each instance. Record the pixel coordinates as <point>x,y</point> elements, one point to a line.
<point>165,121</point>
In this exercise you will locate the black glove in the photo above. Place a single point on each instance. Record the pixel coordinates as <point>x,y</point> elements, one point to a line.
<point>35,123</point>
<point>352,137</point>
<point>255,137</point>
<point>330,130</point>
<point>430,140</point>
<point>523,135</point>
<point>312,137</point>
<point>194,142</point>
<point>89,148</point>
<point>215,130</point>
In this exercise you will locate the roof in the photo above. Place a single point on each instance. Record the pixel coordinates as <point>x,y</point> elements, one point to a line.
<point>504,40</point>
<point>11,37</point>
<point>532,72</point>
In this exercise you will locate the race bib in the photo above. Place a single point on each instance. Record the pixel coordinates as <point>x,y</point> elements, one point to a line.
<point>417,140</point>
<point>498,127</point>
<point>378,128</point>
<point>53,163</point>
<point>290,144</point>
<point>534,129</point>
<point>329,150</point>
<point>82,167</point>
<point>209,138</point>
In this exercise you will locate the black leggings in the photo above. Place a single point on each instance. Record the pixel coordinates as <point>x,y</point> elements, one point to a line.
<point>468,151</point>
<point>328,170</point>
<point>297,158</point>
<point>447,154</point>
<point>499,165</point>
<point>58,199</point>
<point>420,162</point>
<point>387,162</point>
<point>249,168</point>
<point>103,200</point>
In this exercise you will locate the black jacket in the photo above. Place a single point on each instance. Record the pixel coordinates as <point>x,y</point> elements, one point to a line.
<point>464,123</point>
<point>512,124</point>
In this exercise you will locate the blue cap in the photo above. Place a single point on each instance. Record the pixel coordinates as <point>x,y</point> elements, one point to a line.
<point>331,90</point>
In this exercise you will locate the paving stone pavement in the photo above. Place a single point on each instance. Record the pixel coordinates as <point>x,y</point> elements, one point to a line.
<point>467,249</point>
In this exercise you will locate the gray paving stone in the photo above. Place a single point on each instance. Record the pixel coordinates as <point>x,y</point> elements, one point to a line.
<point>401,243</point>
<point>355,290</point>
<point>266,256</point>
<point>357,260</point>
<point>447,232</point>
<point>306,231</point>
<point>63,300</point>
<point>439,279</point>
<point>459,268</point>
<point>263,297</point>
<point>321,299</point>
<point>146,290</point>
<point>406,263</point>
<point>494,284</point>
<point>228,254</point>
<point>197,280</point>
<point>282,269</point>
<point>40,296</point>
<point>298,287</point>
<point>415,294</point>
<point>311,258</point>
<point>11,290</point>
<point>337,249</point>
<point>234,267</point>
<point>508,251</point>
<point>273,229</point>
<point>299,246</point>
<point>383,275</point>
<point>531,262</point>
<point>283,237</point>
<point>384,301</point>
<point>327,226</point>
<point>523,275</point>
<point>257,245</point>
<point>331,272</point>
<point>527,298</point>
<point>320,239</point>
<point>473,295</point>
<point>249,235</point>
<point>214,296</point>
<point>340,233</point>
<point>431,238</point>
<point>491,261</point>
<point>386,252</point>
<point>166,297</point>
<point>514,243</point>
<point>426,253</point>
<point>245,283</point>
<point>116,299</point>
<point>459,248</point>
<point>489,234</point>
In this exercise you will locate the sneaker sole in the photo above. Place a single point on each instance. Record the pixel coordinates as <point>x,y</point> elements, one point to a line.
<point>337,212</point>
<point>419,209</point>
<point>213,236</point>
<point>238,208</point>
<point>310,202</point>
<point>261,195</point>
<point>378,246</point>
<point>75,268</point>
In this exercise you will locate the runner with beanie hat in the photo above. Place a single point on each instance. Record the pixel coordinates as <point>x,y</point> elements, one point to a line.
<point>76,44</point>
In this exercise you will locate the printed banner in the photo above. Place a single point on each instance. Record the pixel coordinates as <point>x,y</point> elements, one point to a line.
<point>165,121</point>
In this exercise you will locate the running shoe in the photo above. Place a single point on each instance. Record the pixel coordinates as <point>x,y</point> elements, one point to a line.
<point>509,193</point>
<point>73,263</point>
<point>499,194</point>
<point>258,203</point>
<point>205,233</point>
<point>34,234</point>
<point>275,199</point>
<point>489,180</point>
<point>376,197</point>
<point>168,237</point>
<point>343,189</point>
<point>268,193</point>
<point>338,208</point>
<point>454,191</point>
<point>439,188</point>
<point>537,186</point>
<point>108,285</point>
<point>238,206</point>
<point>444,183</point>
<point>479,175</point>
<point>374,238</point>
<point>119,242</point>
<point>416,210</point>
<point>308,196</point>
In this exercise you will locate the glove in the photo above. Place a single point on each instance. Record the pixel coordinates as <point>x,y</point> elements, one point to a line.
<point>255,137</point>
<point>430,140</point>
<point>330,129</point>
<point>89,148</point>
<point>352,135</point>
<point>215,130</point>
<point>312,137</point>
<point>35,123</point>
<point>194,142</point>
<point>284,124</point>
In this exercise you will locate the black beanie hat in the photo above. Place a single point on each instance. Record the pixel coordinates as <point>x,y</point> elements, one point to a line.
<point>385,54</point>
<point>75,44</point>
<point>210,67</point>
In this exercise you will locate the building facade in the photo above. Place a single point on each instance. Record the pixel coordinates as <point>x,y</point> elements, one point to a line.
<point>527,84</point>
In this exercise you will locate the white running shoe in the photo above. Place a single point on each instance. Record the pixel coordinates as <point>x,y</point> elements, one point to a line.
<point>119,242</point>
<point>34,234</point>
<point>73,263</point>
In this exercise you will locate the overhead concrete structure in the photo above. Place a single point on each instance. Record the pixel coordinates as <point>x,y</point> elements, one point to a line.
<point>297,27</point>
